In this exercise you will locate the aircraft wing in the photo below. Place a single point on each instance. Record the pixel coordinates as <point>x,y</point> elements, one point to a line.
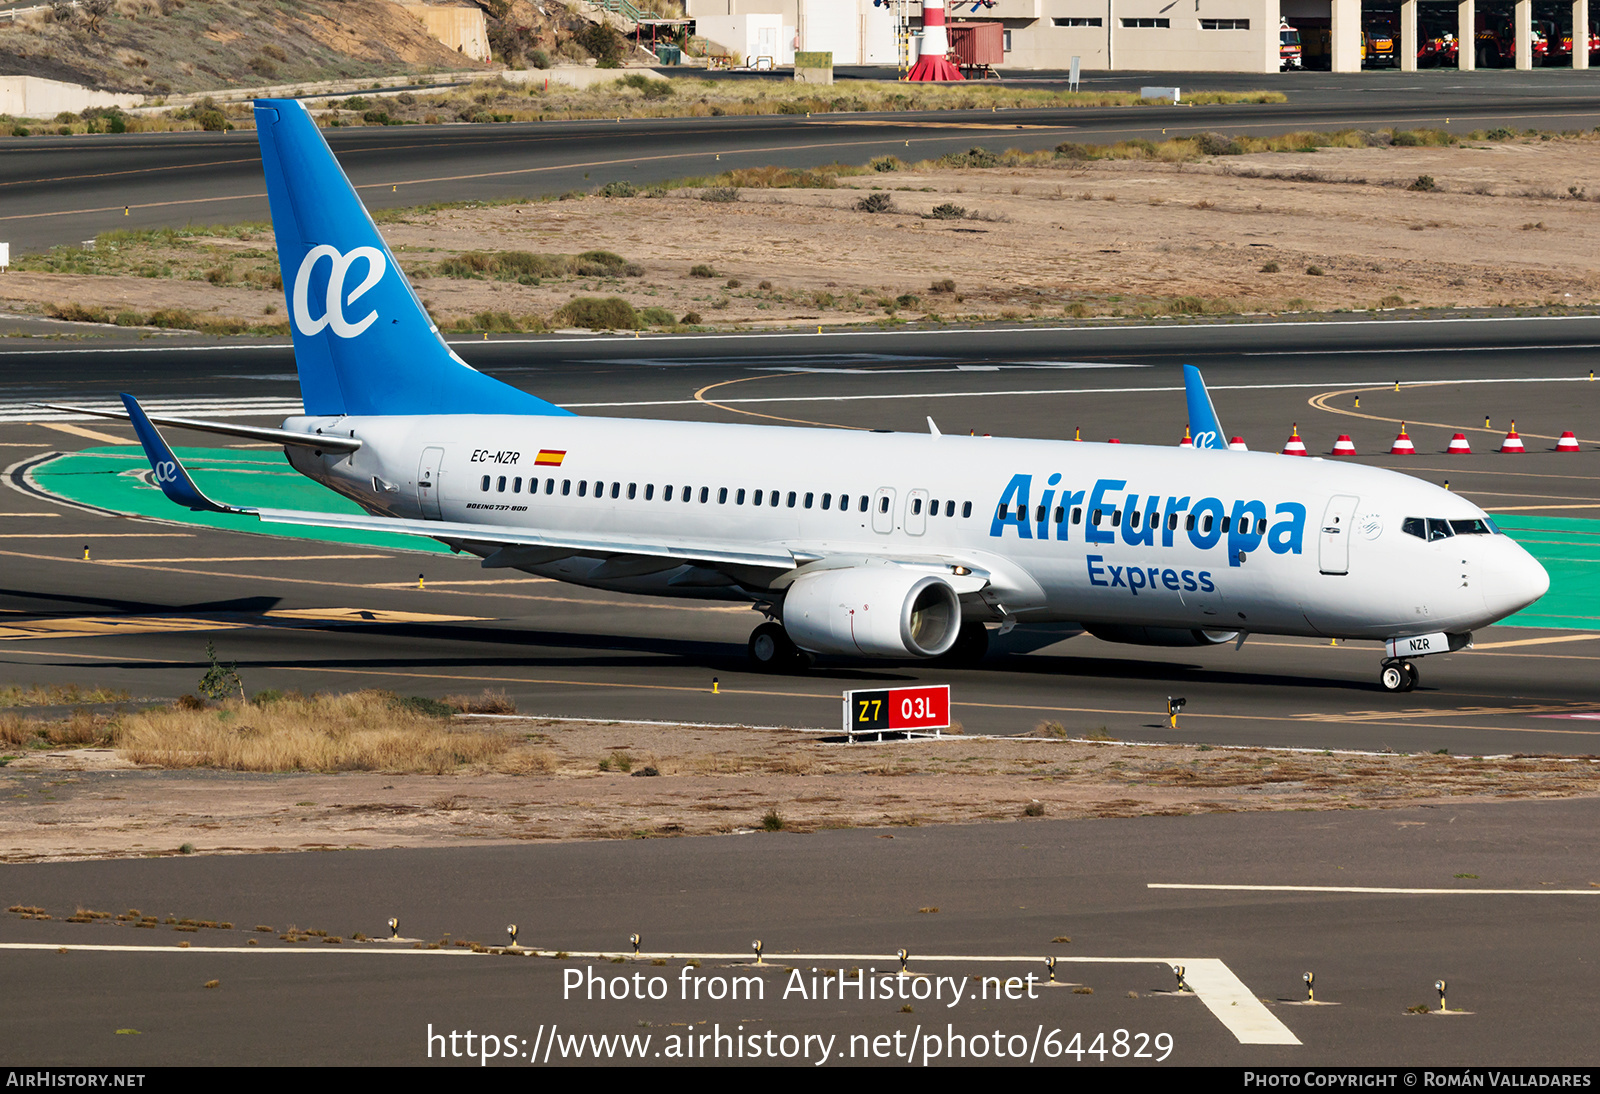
<point>175,481</point>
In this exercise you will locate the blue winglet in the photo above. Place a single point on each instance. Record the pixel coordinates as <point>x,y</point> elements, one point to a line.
<point>1203,424</point>
<point>170,475</point>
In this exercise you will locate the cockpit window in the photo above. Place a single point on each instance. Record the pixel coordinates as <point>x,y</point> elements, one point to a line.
<point>1434,529</point>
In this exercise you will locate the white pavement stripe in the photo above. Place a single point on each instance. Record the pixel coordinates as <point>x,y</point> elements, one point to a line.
<point>1213,983</point>
<point>247,407</point>
<point>1226,996</point>
<point>1393,891</point>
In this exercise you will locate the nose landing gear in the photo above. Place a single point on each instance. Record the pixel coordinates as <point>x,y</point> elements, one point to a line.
<point>1397,675</point>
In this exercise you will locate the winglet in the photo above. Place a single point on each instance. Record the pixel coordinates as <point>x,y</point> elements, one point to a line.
<point>170,475</point>
<point>1203,420</point>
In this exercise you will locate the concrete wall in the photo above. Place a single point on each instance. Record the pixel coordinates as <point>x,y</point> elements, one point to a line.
<point>33,97</point>
<point>460,28</point>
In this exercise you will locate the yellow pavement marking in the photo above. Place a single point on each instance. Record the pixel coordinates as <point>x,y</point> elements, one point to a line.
<point>1536,641</point>
<point>699,398</point>
<point>935,125</point>
<point>1320,402</point>
<point>448,584</point>
<point>1539,508</point>
<point>94,626</point>
<point>251,558</point>
<point>79,431</point>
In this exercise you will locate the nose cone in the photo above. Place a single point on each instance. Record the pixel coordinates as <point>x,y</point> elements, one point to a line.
<point>1518,581</point>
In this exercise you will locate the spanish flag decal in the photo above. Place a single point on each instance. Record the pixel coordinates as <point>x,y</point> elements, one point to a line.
<point>550,457</point>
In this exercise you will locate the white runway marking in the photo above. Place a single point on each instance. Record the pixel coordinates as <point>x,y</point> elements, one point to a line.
<point>249,407</point>
<point>1213,983</point>
<point>1380,889</point>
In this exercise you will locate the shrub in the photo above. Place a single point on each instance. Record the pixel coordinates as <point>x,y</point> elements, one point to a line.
<point>1270,267</point>
<point>213,121</point>
<point>886,163</point>
<point>604,264</point>
<point>772,822</point>
<point>943,285</point>
<point>690,319</point>
<point>1314,271</point>
<point>1423,183</point>
<point>611,313</point>
<point>603,43</point>
<point>719,194</point>
<point>1074,151</point>
<point>702,271</point>
<point>948,211</point>
<point>972,157</point>
<point>538,58</point>
<point>1215,144</point>
<point>876,203</point>
<point>618,190</point>
<point>657,317</point>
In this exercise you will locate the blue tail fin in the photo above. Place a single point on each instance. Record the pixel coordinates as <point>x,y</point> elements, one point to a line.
<point>1203,421</point>
<point>363,343</point>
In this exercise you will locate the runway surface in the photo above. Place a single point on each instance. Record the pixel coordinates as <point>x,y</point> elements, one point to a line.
<point>1497,900</point>
<point>56,190</point>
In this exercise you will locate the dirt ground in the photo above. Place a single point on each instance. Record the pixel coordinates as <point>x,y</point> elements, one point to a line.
<point>89,803</point>
<point>1507,223</point>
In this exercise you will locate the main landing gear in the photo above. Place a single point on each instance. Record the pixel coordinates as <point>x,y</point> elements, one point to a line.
<point>1396,676</point>
<point>771,650</point>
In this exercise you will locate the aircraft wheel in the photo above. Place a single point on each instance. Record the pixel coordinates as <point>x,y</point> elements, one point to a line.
<point>970,646</point>
<point>1393,678</point>
<point>771,649</point>
<point>1413,677</point>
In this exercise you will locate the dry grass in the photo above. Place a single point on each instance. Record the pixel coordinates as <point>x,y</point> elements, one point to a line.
<point>363,731</point>
<point>57,695</point>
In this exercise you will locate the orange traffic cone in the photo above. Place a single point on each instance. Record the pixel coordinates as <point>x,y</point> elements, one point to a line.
<point>1238,445</point>
<point>1344,446</point>
<point>1567,443</point>
<point>1512,443</point>
<point>1294,446</point>
<point>1459,446</point>
<point>1402,444</point>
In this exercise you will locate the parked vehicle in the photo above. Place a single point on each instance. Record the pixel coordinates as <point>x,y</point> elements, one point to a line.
<point>1381,45</point>
<point>1289,54</point>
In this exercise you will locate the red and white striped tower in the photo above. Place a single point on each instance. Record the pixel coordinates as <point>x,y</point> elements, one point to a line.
<point>934,62</point>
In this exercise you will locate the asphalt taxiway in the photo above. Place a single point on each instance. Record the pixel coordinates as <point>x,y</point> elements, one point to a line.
<point>1497,899</point>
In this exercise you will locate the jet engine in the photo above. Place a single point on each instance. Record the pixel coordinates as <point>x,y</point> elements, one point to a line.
<point>872,610</point>
<point>1158,636</point>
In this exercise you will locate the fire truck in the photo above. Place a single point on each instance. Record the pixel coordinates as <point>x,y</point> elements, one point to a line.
<point>1289,55</point>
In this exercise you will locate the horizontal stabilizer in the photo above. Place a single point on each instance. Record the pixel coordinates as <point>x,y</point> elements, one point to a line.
<point>322,442</point>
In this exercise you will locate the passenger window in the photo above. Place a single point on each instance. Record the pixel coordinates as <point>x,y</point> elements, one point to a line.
<point>516,485</point>
<point>738,499</point>
<point>688,494</point>
<point>966,508</point>
<point>722,495</point>
<point>1261,526</point>
<point>827,499</point>
<point>1206,529</point>
<point>864,500</point>
<point>949,508</point>
<point>933,508</point>
<point>1226,521</point>
<point>1172,521</point>
<point>666,492</point>
<point>1061,514</point>
<point>1116,518</point>
<point>1077,515</point>
<point>808,500</point>
<point>1133,517</point>
<point>633,490</point>
<point>500,486</point>
<point>616,489</point>
<point>705,494</point>
<point>1004,512</point>
<point>883,504</point>
<point>566,487</point>
<point>649,491</point>
<point>486,484</point>
<point>1094,518</point>
<point>791,499</point>
<point>599,491</point>
<point>1188,523</point>
<point>549,486</point>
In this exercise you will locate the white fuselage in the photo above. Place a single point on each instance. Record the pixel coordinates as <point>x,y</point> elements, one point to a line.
<point>1216,540</point>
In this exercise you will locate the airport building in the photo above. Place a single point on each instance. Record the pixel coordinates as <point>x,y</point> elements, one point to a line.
<point>1158,35</point>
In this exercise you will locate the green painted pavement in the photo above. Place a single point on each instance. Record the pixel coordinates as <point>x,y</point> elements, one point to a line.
<point>1569,548</point>
<point>116,478</point>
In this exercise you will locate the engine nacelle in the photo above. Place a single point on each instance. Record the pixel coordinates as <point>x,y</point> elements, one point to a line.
<point>1158,636</point>
<point>872,610</point>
